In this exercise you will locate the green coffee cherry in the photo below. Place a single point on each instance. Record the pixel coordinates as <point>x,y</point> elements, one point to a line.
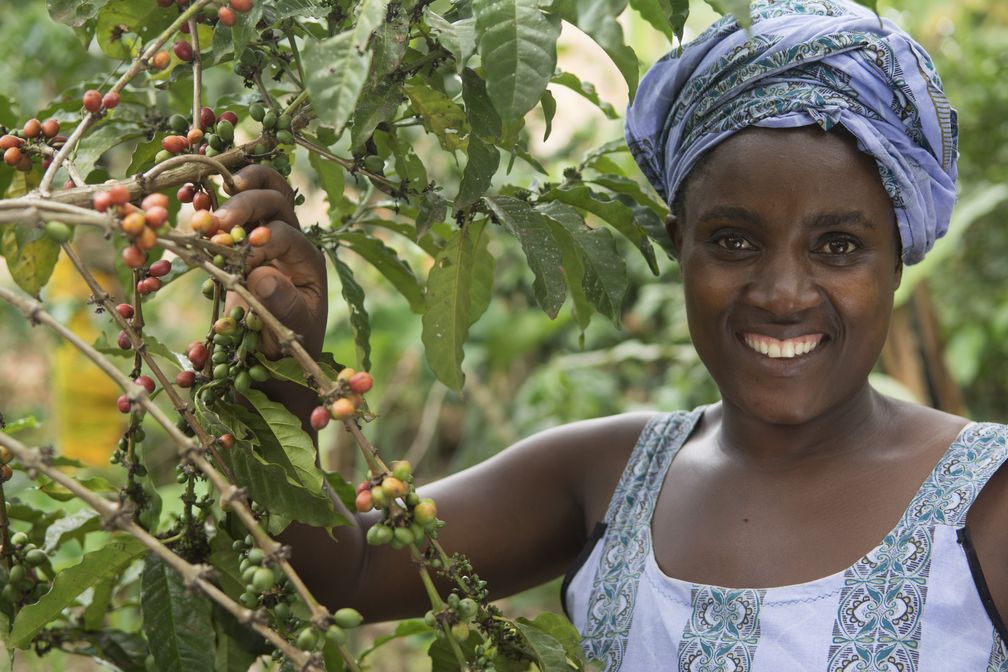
<point>225,130</point>
<point>374,164</point>
<point>284,122</point>
<point>253,322</point>
<point>467,608</point>
<point>335,635</point>
<point>215,141</point>
<point>208,288</point>
<point>259,373</point>
<point>260,147</point>
<point>401,469</point>
<point>58,231</point>
<point>348,618</point>
<point>212,151</point>
<point>256,111</point>
<point>162,156</point>
<point>243,382</point>
<point>221,371</point>
<point>36,557</point>
<point>251,341</point>
<point>219,260</point>
<point>178,123</point>
<point>269,120</point>
<point>238,234</point>
<point>379,535</point>
<point>404,536</point>
<point>220,356</point>
<point>263,579</point>
<point>281,611</point>
<point>256,556</point>
<point>307,639</point>
<point>285,137</point>
<point>9,593</point>
<point>249,599</point>
<point>17,574</point>
<point>19,539</point>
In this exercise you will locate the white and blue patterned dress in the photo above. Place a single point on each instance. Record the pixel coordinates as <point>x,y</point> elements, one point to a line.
<point>917,602</point>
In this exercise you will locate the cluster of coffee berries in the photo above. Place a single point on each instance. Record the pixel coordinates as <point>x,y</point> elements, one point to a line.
<point>455,617</point>
<point>279,127</point>
<point>353,385</point>
<point>409,518</point>
<point>94,101</point>
<point>310,639</point>
<point>236,338</point>
<point>6,473</point>
<point>19,145</point>
<point>23,582</point>
<point>141,224</point>
<point>137,433</point>
<point>209,135</point>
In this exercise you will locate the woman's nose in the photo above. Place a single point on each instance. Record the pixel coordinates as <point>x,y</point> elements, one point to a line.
<point>783,285</point>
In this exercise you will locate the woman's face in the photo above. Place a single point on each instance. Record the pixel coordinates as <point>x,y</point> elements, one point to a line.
<point>789,259</point>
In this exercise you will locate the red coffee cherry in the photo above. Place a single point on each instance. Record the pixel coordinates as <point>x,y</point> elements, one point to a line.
<point>175,144</point>
<point>341,409</point>
<point>183,50</point>
<point>241,5</point>
<point>156,216</point>
<point>146,382</point>
<point>161,60</point>
<point>364,502</point>
<point>201,200</point>
<point>202,221</point>
<point>134,223</point>
<point>32,128</point>
<point>229,117</point>
<point>198,355</point>
<point>147,239</point>
<point>159,269</point>
<point>150,200</point>
<point>226,16</point>
<point>8,141</point>
<point>125,309</point>
<point>259,236</point>
<point>195,137</point>
<point>148,286</point>
<point>123,341</point>
<point>50,128</point>
<point>92,100</point>
<point>134,257</point>
<point>118,195</point>
<point>186,193</point>
<point>207,117</point>
<point>185,379</point>
<point>102,200</point>
<point>123,403</point>
<point>226,441</point>
<point>110,100</point>
<point>360,382</point>
<point>319,418</point>
<point>12,157</point>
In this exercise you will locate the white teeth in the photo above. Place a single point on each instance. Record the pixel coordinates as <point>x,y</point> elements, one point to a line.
<point>788,349</point>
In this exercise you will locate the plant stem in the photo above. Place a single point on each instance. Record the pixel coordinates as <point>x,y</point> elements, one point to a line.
<point>387,185</point>
<point>5,550</point>
<point>436,602</point>
<point>301,97</point>
<point>297,55</point>
<point>197,68</point>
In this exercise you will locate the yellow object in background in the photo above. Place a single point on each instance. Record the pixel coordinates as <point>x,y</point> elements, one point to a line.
<point>84,409</point>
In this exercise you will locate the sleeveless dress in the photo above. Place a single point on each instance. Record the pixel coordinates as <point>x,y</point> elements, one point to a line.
<point>917,602</point>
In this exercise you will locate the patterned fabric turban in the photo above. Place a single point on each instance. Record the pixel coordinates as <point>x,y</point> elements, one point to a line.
<point>806,62</point>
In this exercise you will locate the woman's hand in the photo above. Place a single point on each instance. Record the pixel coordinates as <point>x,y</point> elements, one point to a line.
<point>287,274</point>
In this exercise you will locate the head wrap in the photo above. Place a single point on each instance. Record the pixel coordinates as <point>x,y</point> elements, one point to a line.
<point>804,62</point>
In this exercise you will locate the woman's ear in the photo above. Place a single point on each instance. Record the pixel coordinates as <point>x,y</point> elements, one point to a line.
<point>674,233</point>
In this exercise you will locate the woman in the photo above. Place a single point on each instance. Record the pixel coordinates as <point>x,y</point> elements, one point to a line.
<point>805,521</point>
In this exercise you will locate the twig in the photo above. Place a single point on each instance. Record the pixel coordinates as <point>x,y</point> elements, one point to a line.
<point>186,159</point>
<point>378,180</point>
<point>197,68</point>
<point>192,575</point>
<point>5,549</point>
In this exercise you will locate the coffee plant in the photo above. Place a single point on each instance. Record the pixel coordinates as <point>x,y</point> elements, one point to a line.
<point>410,115</point>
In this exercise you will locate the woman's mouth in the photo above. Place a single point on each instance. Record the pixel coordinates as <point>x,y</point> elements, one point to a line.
<point>789,348</point>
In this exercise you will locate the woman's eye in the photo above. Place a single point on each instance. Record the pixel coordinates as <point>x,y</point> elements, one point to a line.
<point>839,246</point>
<point>735,243</point>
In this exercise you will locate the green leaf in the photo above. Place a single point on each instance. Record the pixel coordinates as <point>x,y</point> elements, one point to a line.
<point>360,322</point>
<point>297,448</point>
<point>597,19</point>
<point>459,37</point>
<point>336,70</point>
<point>346,491</point>
<point>103,563</point>
<point>74,526</point>
<point>285,9</point>
<point>101,139</point>
<point>440,115</point>
<point>244,31</point>
<point>517,46</point>
<point>662,16</point>
<point>388,263</point>
<point>124,25</point>
<point>550,654</point>
<point>74,13</point>
<point>30,264</point>
<point>331,179</point>
<point>389,44</point>
<point>230,656</point>
<point>94,613</point>
<point>532,231</point>
<point>631,188</point>
<point>870,4</point>
<point>378,103</point>
<point>560,629</point>
<point>571,263</point>
<point>404,629</point>
<point>549,107</point>
<point>443,657</point>
<point>483,118</point>
<point>176,620</point>
<point>58,492</point>
<point>269,484</point>
<point>613,211</point>
<point>151,344</point>
<point>586,90</point>
<point>737,8</point>
<point>480,168</point>
<point>433,210</point>
<point>458,292</point>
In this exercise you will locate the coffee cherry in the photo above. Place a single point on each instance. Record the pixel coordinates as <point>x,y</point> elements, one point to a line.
<point>207,118</point>
<point>125,310</point>
<point>19,539</point>
<point>307,639</point>
<point>379,535</point>
<point>8,141</point>
<point>133,256</point>
<point>401,469</point>
<point>319,418</point>
<point>229,117</point>
<point>118,194</point>
<point>50,128</point>
<point>208,288</point>
<point>393,487</point>
<point>425,512</point>
<point>147,239</point>
<point>160,60</point>
<point>364,501</point>
<point>13,156</point>
<point>260,236</point>
<point>360,382</point>
<point>287,138</point>
<point>202,221</point>
<point>186,193</point>
<point>185,379</point>
<point>32,128</point>
<point>123,340</point>
<point>227,442</point>
<point>243,382</point>
<point>341,409</point>
<point>110,100</point>
<point>156,199</point>
<point>224,239</point>
<point>157,216</point>
<point>201,200</point>
<point>159,269</point>
<point>345,373</point>
<point>5,455</point>
<point>347,618</point>
<point>123,403</point>
<point>262,579</point>
<point>241,5</point>
<point>174,143</point>
<point>257,112</point>
<point>335,635</point>
<point>145,382</point>
<point>134,223</point>
<point>92,100</point>
<point>148,286</point>
<point>58,231</point>
<point>184,51</point>
<point>198,355</point>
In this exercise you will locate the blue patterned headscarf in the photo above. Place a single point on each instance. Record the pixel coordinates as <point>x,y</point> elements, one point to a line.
<point>804,62</point>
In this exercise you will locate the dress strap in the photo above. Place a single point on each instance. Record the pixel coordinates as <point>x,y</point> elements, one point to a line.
<point>954,484</point>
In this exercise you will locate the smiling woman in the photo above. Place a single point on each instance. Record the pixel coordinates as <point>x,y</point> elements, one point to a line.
<point>805,521</point>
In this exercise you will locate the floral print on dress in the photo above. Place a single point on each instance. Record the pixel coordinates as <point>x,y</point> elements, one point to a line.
<point>723,631</point>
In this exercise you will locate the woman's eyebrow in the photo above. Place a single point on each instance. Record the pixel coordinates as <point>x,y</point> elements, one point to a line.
<point>731,213</point>
<point>827,220</point>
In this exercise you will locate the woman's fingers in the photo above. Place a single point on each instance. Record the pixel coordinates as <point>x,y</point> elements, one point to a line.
<point>257,205</point>
<point>290,249</point>
<point>261,177</point>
